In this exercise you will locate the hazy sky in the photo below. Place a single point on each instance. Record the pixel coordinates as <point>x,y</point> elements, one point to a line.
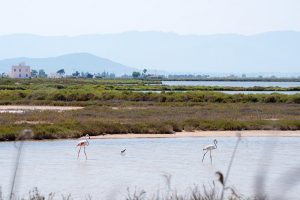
<point>75,17</point>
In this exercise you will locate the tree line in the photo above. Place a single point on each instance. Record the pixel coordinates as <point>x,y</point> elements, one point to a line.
<point>61,73</point>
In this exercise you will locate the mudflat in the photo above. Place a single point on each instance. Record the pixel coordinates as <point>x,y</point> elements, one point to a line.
<point>252,133</point>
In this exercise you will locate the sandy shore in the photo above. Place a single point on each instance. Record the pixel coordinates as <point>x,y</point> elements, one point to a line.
<point>257,133</point>
<point>8,108</point>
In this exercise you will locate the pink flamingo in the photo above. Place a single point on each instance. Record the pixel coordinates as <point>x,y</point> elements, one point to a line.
<point>83,143</point>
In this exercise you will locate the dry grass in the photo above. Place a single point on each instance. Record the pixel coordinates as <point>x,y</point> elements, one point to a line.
<point>147,118</point>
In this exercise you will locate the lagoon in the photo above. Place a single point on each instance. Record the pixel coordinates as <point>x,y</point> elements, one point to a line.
<point>52,166</point>
<point>226,92</point>
<point>232,83</point>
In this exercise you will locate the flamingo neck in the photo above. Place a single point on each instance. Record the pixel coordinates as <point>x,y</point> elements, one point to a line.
<point>87,140</point>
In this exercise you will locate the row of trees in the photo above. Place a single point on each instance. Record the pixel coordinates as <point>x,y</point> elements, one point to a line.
<point>90,75</point>
<point>41,73</point>
<point>231,76</point>
<point>60,73</point>
<point>139,74</point>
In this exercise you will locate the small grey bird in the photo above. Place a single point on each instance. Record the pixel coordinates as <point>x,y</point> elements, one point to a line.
<point>123,152</point>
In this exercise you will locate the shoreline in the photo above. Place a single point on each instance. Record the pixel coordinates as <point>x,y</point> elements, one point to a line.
<point>22,108</point>
<point>252,133</point>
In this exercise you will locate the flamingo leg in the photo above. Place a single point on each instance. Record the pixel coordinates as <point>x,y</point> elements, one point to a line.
<point>84,152</point>
<point>79,152</point>
<point>210,157</point>
<point>204,155</point>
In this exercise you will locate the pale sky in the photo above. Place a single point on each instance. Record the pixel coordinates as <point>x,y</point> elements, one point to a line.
<point>76,17</point>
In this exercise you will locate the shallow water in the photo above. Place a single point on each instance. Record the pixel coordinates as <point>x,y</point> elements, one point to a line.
<point>230,92</point>
<point>232,83</point>
<point>261,92</point>
<point>52,166</point>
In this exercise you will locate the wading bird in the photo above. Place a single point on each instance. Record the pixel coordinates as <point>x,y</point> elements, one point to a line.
<point>123,152</point>
<point>83,143</point>
<point>209,148</point>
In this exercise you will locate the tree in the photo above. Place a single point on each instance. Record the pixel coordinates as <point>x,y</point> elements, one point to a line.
<point>76,74</point>
<point>273,77</point>
<point>112,75</point>
<point>61,72</point>
<point>136,74</point>
<point>42,73</point>
<point>104,74</point>
<point>144,73</point>
<point>34,73</point>
<point>89,75</point>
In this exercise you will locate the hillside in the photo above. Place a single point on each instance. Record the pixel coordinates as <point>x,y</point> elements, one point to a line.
<point>265,52</point>
<point>70,62</point>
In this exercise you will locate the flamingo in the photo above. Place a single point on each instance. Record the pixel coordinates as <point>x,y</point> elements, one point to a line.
<point>209,148</point>
<point>83,143</point>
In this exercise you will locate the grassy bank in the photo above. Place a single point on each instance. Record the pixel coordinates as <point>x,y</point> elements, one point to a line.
<point>152,119</point>
<point>92,92</point>
<point>111,107</point>
<point>200,88</point>
<point>121,84</point>
<point>86,95</point>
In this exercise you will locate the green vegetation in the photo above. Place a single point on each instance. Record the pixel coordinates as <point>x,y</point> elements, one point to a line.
<point>92,92</point>
<point>86,96</point>
<point>116,118</point>
<point>230,78</point>
<point>112,108</point>
<point>136,74</point>
<point>201,88</point>
<point>72,81</point>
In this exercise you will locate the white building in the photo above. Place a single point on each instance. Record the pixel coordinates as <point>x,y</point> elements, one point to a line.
<point>20,71</point>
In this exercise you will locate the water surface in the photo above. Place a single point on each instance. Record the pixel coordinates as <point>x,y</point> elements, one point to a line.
<point>232,83</point>
<point>261,92</point>
<point>52,166</point>
<point>227,92</point>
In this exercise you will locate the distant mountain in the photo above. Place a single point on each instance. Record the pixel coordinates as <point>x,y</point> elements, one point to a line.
<point>70,62</point>
<point>228,53</point>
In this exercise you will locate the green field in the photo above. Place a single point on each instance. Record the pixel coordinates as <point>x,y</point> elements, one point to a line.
<point>111,107</point>
<point>94,92</point>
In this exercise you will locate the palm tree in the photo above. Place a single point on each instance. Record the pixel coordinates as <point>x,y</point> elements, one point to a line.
<point>61,72</point>
<point>144,73</point>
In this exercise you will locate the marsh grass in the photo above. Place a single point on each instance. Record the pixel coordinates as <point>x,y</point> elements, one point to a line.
<point>112,108</point>
<point>1,196</point>
<point>195,193</point>
<point>151,119</point>
<point>90,96</point>
<point>91,92</point>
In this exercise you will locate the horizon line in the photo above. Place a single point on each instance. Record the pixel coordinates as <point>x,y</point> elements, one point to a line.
<point>150,31</point>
